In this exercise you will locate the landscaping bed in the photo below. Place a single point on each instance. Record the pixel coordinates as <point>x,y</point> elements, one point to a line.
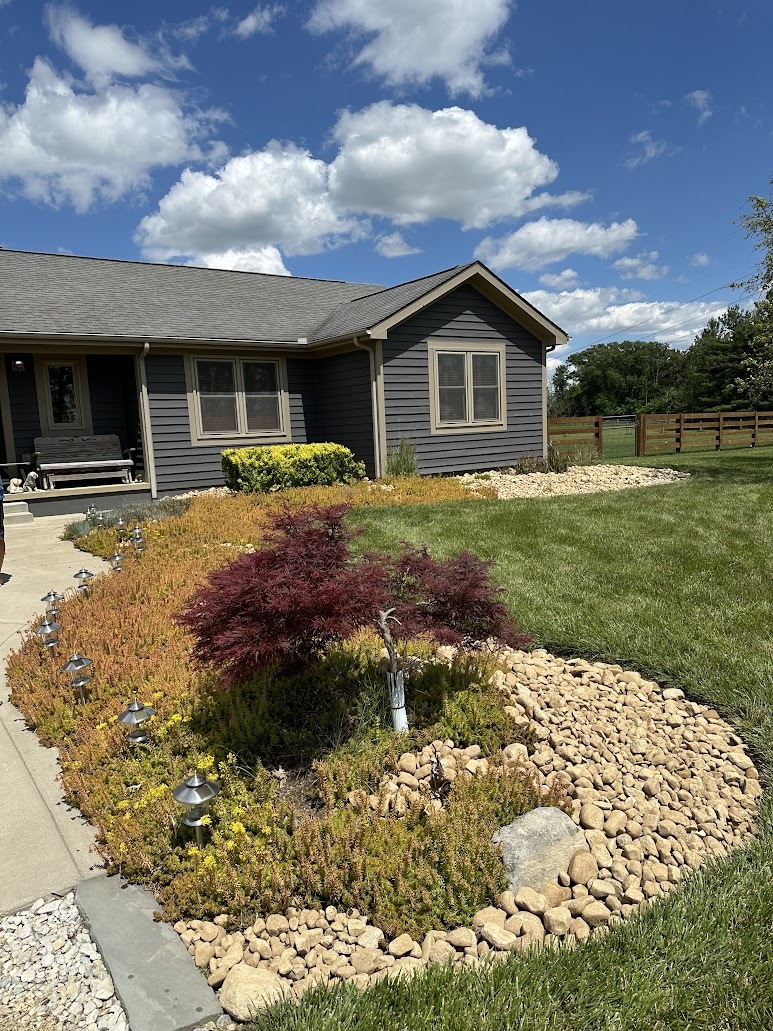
<point>577,479</point>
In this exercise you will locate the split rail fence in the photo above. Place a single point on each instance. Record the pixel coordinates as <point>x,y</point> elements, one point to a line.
<point>663,434</point>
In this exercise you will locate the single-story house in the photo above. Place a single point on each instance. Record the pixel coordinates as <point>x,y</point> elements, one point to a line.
<point>180,362</point>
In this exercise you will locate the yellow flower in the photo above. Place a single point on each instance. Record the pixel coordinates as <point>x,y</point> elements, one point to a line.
<point>113,719</point>
<point>101,726</point>
<point>238,828</point>
<point>206,763</point>
<point>124,804</point>
<point>127,816</point>
<point>206,821</point>
<point>209,862</point>
<point>193,850</point>
<point>230,845</point>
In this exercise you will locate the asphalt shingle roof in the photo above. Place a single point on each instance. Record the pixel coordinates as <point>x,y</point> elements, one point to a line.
<point>65,295</point>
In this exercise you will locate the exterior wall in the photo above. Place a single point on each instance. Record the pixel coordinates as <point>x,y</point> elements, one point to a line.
<point>179,465</point>
<point>465,316</point>
<point>23,398</point>
<point>346,403</point>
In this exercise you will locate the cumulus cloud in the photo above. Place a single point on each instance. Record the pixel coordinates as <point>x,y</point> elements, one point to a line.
<point>277,196</point>
<point>393,245</point>
<point>411,42</point>
<point>63,145</point>
<point>102,51</point>
<point>607,311</point>
<point>643,266</point>
<point>410,164</point>
<point>244,259</point>
<point>700,259</point>
<point>560,280</point>
<point>700,100</point>
<point>260,20</point>
<point>651,148</point>
<point>545,241</point>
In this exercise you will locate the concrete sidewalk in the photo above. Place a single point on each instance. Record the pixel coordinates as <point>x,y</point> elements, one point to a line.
<point>45,846</point>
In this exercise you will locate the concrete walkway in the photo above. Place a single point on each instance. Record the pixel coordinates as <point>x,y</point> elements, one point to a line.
<point>45,846</point>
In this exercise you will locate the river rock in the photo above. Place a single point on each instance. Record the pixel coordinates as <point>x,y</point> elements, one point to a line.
<point>538,846</point>
<point>247,990</point>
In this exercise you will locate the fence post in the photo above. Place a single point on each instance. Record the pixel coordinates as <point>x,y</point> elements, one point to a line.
<point>680,433</point>
<point>641,436</point>
<point>721,428</point>
<point>756,427</point>
<point>599,427</point>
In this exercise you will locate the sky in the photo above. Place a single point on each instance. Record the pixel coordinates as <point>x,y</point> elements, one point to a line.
<point>596,156</point>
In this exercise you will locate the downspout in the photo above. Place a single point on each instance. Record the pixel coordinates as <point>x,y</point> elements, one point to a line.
<point>147,432</point>
<point>374,405</point>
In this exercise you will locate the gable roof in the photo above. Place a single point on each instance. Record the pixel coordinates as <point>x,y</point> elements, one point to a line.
<point>66,296</point>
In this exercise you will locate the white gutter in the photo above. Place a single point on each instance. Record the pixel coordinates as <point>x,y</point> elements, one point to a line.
<point>374,405</point>
<point>147,432</point>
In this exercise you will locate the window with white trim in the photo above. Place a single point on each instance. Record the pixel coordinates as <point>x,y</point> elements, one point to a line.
<point>64,395</point>
<point>239,397</point>
<point>467,388</point>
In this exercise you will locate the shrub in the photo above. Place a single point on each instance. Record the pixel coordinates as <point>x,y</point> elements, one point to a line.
<point>558,462</point>
<point>262,469</point>
<point>583,454</point>
<point>401,460</point>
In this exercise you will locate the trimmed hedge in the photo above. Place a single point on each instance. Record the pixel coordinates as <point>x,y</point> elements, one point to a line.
<point>262,469</point>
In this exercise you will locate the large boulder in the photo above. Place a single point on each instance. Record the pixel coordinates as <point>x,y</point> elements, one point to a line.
<point>537,847</point>
<point>246,991</point>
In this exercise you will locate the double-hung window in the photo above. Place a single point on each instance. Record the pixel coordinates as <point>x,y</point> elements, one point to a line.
<point>467,387</point>
<point>240,398</point>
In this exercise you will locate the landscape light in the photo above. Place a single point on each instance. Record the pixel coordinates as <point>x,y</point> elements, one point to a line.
<point>84,577</point>
<point>135,716</point>
<point>47,632</point>
<point>115,561</point>
<point>75,666</point>
<point>53,601</point>
<point>195,794</point>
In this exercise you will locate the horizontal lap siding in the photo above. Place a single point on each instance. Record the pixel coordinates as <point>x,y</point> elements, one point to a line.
<point>179,465</point>
<point>25,417</point>
<point>464,316</point>
<point>113,395</point>
<point>346,403</point>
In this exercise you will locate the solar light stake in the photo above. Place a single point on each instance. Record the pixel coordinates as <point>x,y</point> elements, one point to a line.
<point>120,529</point>
<point>138,539</point>
<point>75,666</point>
<point>53,601</point>
<point>47,632</point>
<point>84,577</point>
<point>195,794</point>
<point>115,561</point>
<point>135,716</point>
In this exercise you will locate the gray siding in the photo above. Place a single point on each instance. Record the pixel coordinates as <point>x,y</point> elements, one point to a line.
<point>464,315</point>
<point>346,404</point>
<point>25,418</point>
<point>113,395</point>
<point>181,466</point>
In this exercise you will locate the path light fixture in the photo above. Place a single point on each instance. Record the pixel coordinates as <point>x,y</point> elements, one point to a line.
<point>100,520</point>
<point>135,716</point>
<point>195,794</point>
<point>84,578</point>
<point>53,601</point>
<point>47,632</point>
<point>75,666</point>
<point>115,561</point>
<point>91,512</point>
<point>120,529</point>
<point>138,540</point>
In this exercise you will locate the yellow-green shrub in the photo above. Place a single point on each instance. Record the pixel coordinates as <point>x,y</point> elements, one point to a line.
<point>262,469</point>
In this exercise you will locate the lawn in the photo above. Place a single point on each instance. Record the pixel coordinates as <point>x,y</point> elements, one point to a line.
<point>675,581</point>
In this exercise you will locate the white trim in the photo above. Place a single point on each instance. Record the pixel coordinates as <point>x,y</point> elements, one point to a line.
<point>9,443</point>
<point>241,438</point>
<point>148,453</point>
<point>49,428</point>
<point>468,348</point>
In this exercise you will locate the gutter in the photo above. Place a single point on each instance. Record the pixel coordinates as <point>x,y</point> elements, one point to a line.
<point>374,403</point>
<point>147,431</point>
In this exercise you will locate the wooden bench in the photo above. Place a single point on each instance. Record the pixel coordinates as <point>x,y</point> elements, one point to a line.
<point>81,458</point>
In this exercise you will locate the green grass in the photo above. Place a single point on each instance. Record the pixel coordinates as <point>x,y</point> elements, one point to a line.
<point>674,581</point>
<point>619,443</point>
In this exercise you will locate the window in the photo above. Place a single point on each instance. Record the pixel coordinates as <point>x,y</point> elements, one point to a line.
<point>240,398</point>
<point>63,396</point>
<point>467,387</point>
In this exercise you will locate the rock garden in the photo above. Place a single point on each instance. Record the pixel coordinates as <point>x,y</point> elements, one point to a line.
<point>576,479</point>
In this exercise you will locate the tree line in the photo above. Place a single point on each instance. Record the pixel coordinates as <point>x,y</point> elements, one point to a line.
<point>728,367</point>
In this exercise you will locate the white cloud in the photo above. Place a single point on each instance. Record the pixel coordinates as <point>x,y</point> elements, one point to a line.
<point>643,266</point>
<point>412,165</point>
<point>64,145</point>
<point>193,29</point>
<point>102,51</point>
<point>244,259</point>
<point>411,42</point>
<point>610,311</point>
<point>651,148</point>
<point>700,259</point>
<point>540,243</point>
<point>393,245</point>
<point>700,99</point>
<point>277,196</point>
<point>260,20</point>
<point>560,280</point>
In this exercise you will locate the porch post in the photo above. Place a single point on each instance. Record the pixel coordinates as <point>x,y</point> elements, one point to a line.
<point>9,444</point>
<point>147,432</point>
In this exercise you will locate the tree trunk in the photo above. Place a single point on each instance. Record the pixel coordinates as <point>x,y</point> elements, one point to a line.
<point>395,676</point>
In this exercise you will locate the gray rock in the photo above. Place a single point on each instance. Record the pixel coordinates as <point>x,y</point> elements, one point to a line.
<point>538,846</point>
<point>246,990</point>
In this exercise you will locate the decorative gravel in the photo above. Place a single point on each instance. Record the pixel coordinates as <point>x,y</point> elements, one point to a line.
<point>578,479</point>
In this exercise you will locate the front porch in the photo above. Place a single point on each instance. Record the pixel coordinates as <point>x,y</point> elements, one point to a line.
<point>75,501</point>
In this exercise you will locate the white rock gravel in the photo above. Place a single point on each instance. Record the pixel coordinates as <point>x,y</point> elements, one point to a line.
<point>578,479</point>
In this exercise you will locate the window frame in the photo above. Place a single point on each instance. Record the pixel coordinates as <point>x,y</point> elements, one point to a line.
<point>468,348</point>
<point>200,438</point>
<point>49,428</point>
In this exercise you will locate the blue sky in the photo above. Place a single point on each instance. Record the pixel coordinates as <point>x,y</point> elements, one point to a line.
<point>596,156</point>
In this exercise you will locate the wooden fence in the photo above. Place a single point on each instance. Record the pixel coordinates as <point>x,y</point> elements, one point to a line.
<point>673,433</point>
<point>569,434</point>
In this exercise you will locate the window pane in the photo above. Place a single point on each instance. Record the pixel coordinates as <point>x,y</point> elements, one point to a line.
<point>485,404</point>
<point>262,412</point>
<point>260,377</point>
<point>450,370</point>
<point>485,370</point>
<point>64,400</point>
<point>217,397</point>
<point>453,404</point>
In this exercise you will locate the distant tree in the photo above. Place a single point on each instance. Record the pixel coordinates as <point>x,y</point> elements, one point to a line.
<point>755,383</point>
<point>624,377</point>
<point>715,361</point>
<point>758,224</point>
<point>559,393</point>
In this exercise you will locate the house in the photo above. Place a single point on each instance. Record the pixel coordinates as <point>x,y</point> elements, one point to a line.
<point>180,362</point>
